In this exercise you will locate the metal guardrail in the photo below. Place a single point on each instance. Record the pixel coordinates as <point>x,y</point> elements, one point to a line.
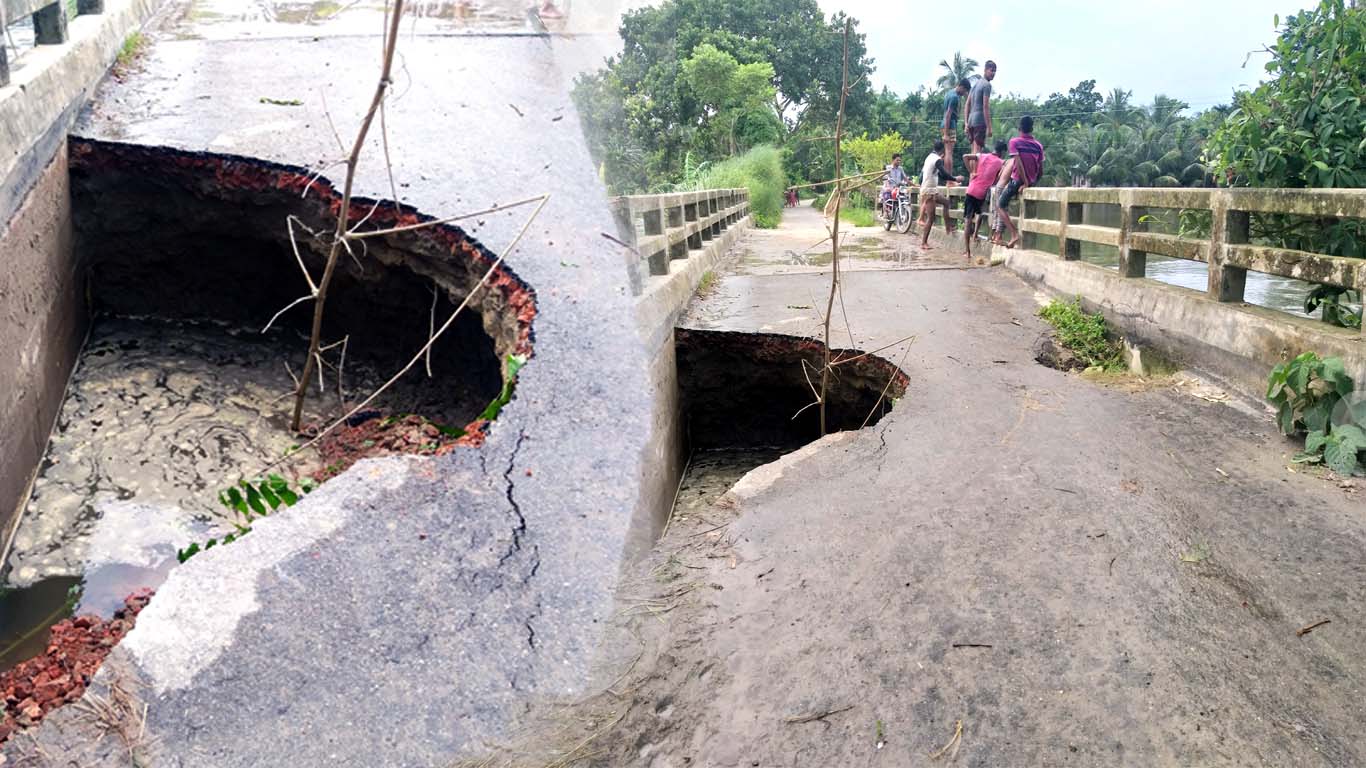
<point>666,227</point>
<point>1227,250</point>
<point>49,23</point>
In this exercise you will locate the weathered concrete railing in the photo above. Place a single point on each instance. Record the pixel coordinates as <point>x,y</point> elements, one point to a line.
<point>667,227</point>
<point>1227,250</point>
<point>49,22</point>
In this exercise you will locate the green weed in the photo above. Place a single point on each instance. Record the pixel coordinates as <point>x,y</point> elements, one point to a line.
<point>1085,334</point>
<point>1312,395</point>
<point>249,500</point>
<point>131,48</point>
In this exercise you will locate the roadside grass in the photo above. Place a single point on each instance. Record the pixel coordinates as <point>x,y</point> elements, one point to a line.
<point>707,284</point>
<point>133,45</point>
<point>1086,335</point>
<point>859,217</point>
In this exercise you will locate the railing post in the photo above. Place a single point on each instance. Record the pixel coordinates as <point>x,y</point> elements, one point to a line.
<point>626,231</point>
<point>1067,249</point>
<point>1131,263</point>
<point>4,65</point>
<point>49,24</point>
<point>673,215</point>
<point>1227,227</point>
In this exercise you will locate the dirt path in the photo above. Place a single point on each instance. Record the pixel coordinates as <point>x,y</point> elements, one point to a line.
<point>1077,574</point>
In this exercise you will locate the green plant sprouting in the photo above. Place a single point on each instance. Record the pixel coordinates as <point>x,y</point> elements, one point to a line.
<point>249,500</point>
<point>1084,333</point>
<point>1312,396</point>
<point>514,364</point>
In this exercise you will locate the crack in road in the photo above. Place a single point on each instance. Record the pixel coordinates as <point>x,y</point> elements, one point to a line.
<point>520,527</point>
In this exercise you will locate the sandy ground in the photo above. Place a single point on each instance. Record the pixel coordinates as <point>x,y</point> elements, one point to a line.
<point>1070,572</point>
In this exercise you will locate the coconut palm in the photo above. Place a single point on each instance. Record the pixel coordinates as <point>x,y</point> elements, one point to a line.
<point>961,69</point>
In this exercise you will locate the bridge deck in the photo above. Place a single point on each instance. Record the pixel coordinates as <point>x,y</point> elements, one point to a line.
<point>1138,559</point>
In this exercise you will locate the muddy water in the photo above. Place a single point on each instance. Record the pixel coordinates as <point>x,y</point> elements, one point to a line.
<point>157,419</point>
<point>712,472</point>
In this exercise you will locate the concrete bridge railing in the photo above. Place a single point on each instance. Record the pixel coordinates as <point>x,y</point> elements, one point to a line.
<point>1228,250</point>
<point>668,227</point>
<point>1057,212</point>
<point>49,22</point>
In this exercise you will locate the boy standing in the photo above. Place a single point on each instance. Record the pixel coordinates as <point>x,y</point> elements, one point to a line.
<point>931,174</point>
<point>1028,155</point>
<point>953,102</point>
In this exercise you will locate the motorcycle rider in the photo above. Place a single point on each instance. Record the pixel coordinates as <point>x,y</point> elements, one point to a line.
<point>896,176</point>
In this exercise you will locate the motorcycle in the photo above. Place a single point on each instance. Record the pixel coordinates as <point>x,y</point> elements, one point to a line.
<point>896,209</point>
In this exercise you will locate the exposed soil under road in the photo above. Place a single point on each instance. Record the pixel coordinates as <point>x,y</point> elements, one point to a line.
<point>1078,574</point>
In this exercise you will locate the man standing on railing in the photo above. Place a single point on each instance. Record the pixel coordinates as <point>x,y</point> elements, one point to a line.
<point>979,109</point>
<point>1028,155</point>
<point>953,106</point>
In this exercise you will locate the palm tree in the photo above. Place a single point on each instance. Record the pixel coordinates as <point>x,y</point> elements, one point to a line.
<point>960,69</point>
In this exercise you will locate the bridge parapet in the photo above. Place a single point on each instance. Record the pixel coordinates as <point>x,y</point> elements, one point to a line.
<point>1227,250</point>
<point>667,227</point>
<point>49,22</point>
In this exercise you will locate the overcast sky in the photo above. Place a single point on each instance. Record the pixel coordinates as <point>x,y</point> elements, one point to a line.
<point>1190,49</point>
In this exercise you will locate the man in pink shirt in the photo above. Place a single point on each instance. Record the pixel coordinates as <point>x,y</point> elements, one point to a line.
<point>983,169</point>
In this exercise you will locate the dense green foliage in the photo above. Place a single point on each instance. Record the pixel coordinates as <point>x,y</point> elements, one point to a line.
<point>759,170</point>
<point>1313,397</point>
<point>647,109</point>
<point>1306,127</point>
<point>1083,333</point>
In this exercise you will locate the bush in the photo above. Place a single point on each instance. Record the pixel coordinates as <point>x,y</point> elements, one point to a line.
<point>1313,396</point>
<point>759,170</point>
<point>1084,334</point>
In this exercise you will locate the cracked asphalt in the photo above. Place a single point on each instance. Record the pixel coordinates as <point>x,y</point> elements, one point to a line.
<point>1076,573</point>
<point>408,611</point>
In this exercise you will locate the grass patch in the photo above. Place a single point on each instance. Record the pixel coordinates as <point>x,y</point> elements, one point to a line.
<point>859,217</point>
<point>707,284</point>
<point>759,170</point>
<point>1085,334</point>
<point>131,48</point>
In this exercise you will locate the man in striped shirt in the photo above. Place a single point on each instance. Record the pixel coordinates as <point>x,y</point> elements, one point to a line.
<point>1028,155</point>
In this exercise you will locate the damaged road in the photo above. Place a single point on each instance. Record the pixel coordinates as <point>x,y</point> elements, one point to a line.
<point>1016,566</point>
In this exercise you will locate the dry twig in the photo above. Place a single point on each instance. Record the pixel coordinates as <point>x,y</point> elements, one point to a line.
<point>951,745</point>
<point>1302,631</point>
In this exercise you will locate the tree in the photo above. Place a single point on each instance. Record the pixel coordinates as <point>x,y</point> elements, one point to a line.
<point>663,116</point>
<point>1304,127</point>
<point>728,90</point>
<point>872,154</point>
<point>961,69</point>
<point>1077,106</point>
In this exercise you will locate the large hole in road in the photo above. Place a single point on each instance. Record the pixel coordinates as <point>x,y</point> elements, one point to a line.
<point>178,393</point>
<point>746,400</point>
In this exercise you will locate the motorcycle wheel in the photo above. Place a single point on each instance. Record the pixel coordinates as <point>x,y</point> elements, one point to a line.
<point>903,219</point>
<point>886,220</point>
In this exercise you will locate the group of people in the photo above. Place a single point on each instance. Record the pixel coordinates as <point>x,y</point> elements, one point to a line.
<point>1001,173</point>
